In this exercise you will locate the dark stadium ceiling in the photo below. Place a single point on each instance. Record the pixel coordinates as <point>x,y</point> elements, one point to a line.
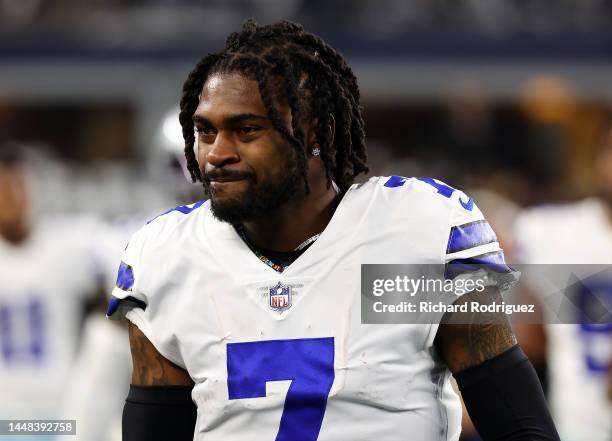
<point>399,49</point>
<point>115,30</point>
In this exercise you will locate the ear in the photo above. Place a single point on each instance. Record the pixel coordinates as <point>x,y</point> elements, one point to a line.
<point>330,133</point>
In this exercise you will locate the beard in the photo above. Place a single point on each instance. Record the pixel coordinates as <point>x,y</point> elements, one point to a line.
<point>260,198</point>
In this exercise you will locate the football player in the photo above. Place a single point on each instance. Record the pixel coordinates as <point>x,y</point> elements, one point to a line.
<point>49,270</point>
<point>248,304</point>
<point>578,355</point>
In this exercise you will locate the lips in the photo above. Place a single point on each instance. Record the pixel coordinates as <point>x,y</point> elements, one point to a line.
<point>226,184</point>
<point>226,176</point>
<point>223,180</point>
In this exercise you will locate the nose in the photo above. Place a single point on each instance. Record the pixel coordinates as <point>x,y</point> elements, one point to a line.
<point>222,151</point>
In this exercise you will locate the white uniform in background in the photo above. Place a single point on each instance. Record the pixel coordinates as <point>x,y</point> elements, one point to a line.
<point>43,287</point>
<point>208,304</point>
<point>578,233</point>
<point>99,382</point>
<point>101,377</point>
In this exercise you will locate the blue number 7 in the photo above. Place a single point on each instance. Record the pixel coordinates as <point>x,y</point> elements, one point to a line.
<point>309,362</point>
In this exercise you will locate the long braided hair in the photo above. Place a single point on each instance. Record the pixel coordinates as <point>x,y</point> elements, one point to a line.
<point>318,83</point>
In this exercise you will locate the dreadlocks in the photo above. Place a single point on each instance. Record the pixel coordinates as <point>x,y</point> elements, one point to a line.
<point>316,82</point>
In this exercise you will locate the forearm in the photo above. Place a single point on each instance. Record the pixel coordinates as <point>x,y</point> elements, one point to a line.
<point>500,388</point>
<point>505,400</point>
<point>161,413</point>
<point>159,405</point>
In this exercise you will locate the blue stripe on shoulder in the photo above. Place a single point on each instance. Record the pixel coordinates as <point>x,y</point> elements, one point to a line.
<point>185,209</point>
<point>125,277</point>
<point>470,235</point>
<point>395,181</point>
<point>493,261</point>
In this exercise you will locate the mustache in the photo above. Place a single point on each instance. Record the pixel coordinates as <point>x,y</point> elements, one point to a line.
<point>220,174</point>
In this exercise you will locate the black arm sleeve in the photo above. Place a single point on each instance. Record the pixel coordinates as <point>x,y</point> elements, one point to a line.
<point>159,413</point>
<point>505,400</point>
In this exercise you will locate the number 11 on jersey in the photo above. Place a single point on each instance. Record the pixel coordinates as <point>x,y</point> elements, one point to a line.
<point>308,363</point>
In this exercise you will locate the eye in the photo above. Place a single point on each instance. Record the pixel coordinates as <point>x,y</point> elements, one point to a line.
<point>248,130</point>
<point>207,130</point>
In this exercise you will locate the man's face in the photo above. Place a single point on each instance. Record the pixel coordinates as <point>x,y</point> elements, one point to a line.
<point>248,168</point>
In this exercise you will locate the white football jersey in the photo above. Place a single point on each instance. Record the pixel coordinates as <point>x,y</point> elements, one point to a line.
<point>284,355</point>
<point>43,284</point>
<point>578,356</point>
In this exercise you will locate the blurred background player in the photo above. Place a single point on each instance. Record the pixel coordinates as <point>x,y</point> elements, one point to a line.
<point>578,356</point>
<point>52,271</point>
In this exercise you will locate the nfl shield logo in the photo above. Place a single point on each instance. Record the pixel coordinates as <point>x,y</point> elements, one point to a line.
<point>280,297</point>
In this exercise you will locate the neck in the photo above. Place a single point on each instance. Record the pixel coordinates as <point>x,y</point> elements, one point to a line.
<point>294,222</point>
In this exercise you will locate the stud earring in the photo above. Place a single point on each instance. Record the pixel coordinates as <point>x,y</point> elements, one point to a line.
<point>316,151</point>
